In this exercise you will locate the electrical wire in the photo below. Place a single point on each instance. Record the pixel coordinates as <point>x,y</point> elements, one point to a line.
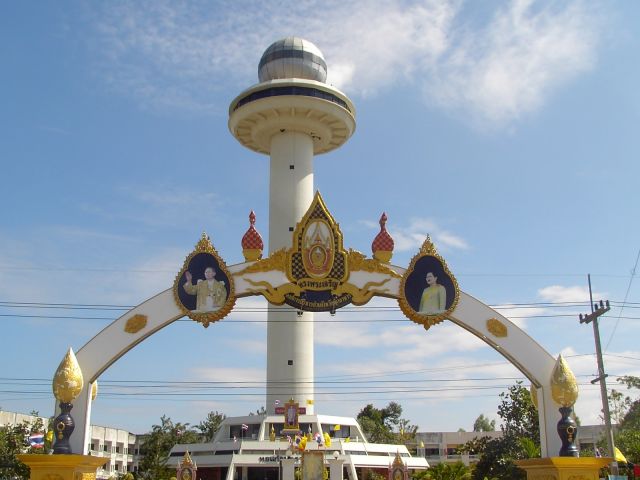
<point>626,295</point>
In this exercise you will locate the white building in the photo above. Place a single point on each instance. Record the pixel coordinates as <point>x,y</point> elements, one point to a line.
<point>258,454</point>
<point>120,448</point>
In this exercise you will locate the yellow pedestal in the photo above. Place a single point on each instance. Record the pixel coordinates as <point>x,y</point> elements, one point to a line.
<point>62,467</point>
<point>563,468</point>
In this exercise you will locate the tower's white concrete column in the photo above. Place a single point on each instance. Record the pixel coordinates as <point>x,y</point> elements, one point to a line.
<point>289,335</point>
<point>291,115</point>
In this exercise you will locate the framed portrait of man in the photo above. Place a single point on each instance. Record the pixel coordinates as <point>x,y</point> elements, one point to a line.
<point>291,412</point>
<point>204,288</point>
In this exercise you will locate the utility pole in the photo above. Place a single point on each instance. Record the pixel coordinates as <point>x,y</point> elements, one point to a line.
<point>597,311</point>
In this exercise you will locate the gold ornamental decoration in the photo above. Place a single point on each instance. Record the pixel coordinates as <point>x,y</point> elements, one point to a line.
<point>533,391</point>
<point>203,289</point>
<point>564,386</point>
<point>67,381</point>
<point>135,323</point>
<point>276,261</point>
<point>316,265</point>
<point>317,259</point>
<point>428,290</point>
<point>358,261</point>
<point>321,276</point>
<point>497,328</point>
<point>94,390</point>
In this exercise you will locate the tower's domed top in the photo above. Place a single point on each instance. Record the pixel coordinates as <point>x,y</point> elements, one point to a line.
<point>292,57</point>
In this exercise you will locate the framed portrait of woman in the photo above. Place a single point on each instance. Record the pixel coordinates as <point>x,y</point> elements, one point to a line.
<point>428,291</point>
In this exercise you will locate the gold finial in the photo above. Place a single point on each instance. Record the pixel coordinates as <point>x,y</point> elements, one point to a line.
<point>186,460</point>
<point>428,248</point>
<point>94,390</point>
<point>564,387</point>
<point>534,395</point>
<point>67,381</point>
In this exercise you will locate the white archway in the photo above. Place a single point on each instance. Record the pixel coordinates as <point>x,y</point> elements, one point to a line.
<point>137,324</point>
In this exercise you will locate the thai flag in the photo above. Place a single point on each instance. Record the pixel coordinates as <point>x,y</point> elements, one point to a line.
<point>36,440</point>
<point>245,426</point>
<point>289,439</point>
<point>319,438</point>
<point>276,403</point>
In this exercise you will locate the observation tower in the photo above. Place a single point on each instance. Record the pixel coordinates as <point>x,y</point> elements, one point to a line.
<point>291,115</point>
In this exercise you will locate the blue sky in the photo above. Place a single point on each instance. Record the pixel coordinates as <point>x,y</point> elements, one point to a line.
<point>508,131</point>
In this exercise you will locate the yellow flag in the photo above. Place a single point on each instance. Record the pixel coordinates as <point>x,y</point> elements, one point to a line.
<point>347,440</point>
<point>336,428</point>
<point>309,401</point>
<point>619,456</point>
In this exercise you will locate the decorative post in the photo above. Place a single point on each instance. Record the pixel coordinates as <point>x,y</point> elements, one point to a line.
<point>382,245</point>
<point>187,468</point>
<point>67,385</point>
<point>252,244</point>
<point>564,390</point>
<point>568,466</point>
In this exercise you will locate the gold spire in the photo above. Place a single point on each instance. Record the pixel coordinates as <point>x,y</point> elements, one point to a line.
<point>428,248</point>
<point>186,460</point>
<point>564,387</point>
<point>67,381</point>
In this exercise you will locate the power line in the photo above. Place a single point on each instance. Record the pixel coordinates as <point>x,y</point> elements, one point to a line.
<point>626,295</point>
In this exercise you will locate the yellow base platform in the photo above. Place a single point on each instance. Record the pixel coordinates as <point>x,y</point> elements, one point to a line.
<point>62,467</point>
<point>563,468</point>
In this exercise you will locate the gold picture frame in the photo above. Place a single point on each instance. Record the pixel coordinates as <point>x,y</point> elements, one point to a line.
<point>209,299</point>
<point>429,292</point>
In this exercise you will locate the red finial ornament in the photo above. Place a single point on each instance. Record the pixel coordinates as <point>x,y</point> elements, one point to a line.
<point>252,244</point>
<point>382,245</point>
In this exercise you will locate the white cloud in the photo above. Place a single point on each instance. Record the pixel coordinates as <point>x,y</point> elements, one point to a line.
<point>512,66</point>
<point>176,55</point>
<point>160,205</point>
<point>562,294</point>
<point>412,236</point>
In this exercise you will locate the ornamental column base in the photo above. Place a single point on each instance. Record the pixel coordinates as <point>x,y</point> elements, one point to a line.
<point>62,467</point>
<point>563,468</point>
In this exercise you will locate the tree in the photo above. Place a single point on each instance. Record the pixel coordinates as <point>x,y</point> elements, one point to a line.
<point>210,425</point>
<point>520,438</point>
<point>448,471</point>
<point>158,443</point>
<point>14,439</point>
<point>386,425</point>
<point>483,424</point>
<point>627,437</point>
